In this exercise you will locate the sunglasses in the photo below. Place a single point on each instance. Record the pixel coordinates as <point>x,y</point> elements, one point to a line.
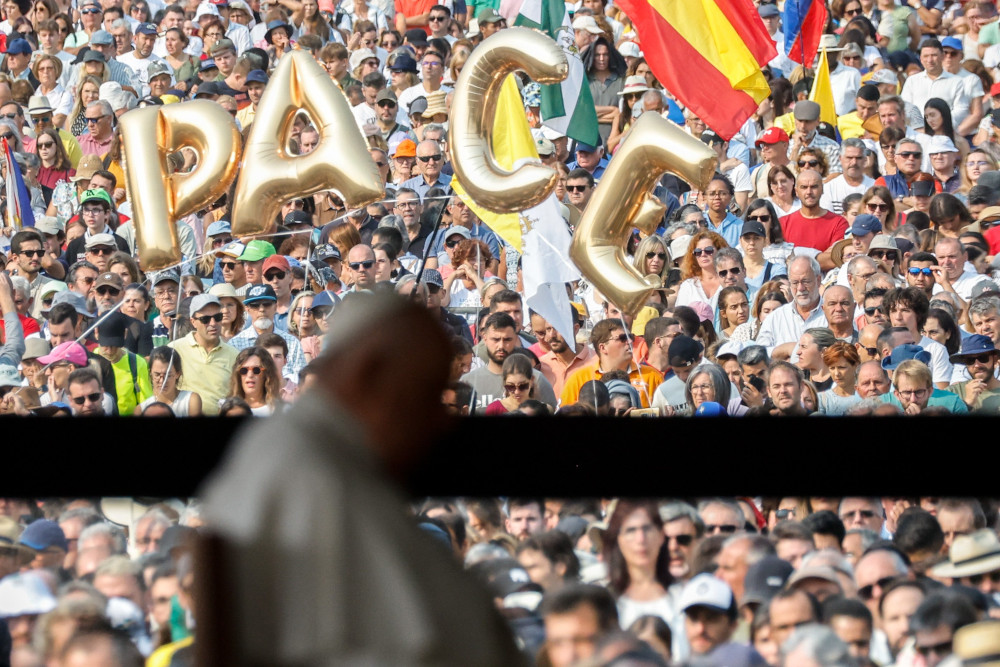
<point>908,154</point>
<point>914,271</point>
<point>660,255</point>
<point>977,579</point>
<point>108,291</point>
<point>451,244</point>
<point>386,104</point>
<point>227,266</point>
<point>872,351</point>
<point>682,540</point>
<point>760,218</point>
<point>437,18</point>
<point>882,254</point>
<point>47,144</point>
<point>808,163</point>
<point>356,266</point>
<point>871,311</point>
<point>520,386</point>
<point>868,592</point>
<point>246,370</point>
<point>32,253</point>
<point>205,319</point>
<point>735,271</point>
<point>576,188</point>
<point>101,251</point>
<point>92,10</point>
<point>725,528</point>
<point>621,338</point>
<point>984,358</point>
<point>698,252</point>
<point>222,241</point>
<point>864,514</point>
<point>97,119</point>
<point>784,514</point>
<point>877,207</point>
<point>41,119</point>
<point>274,275</point>
<point>427,158</point>
<point>433,289</point>
<point>93,398</point>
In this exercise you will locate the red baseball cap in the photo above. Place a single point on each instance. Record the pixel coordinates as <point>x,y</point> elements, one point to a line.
<point>995,90</point>
<point>276,262</point>
<point>772,135</point>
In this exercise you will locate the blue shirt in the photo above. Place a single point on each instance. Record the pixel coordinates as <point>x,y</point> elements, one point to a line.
<point>418,185</point>
<point>729,229</point>
<point>598,173</point>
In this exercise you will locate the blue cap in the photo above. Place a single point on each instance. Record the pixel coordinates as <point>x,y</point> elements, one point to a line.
<point>260,293</point>
<point>208,63</point>
<point>219,227</point>
<point>326,251</point>
<point>952,43</point>
<point>405,63</point>
<point>585,148</point>
<point>102,38</point>
<point>905,353</point>
<point>146,29</point>
<point>710,409</point>
<point>257,75</point>
<point>866,224</point>
<point>325,298</point>
<point>42,534</point>
<point>767,11</point>
<point>432,277</point>
<point>19,47</point>
<point>973,346</point>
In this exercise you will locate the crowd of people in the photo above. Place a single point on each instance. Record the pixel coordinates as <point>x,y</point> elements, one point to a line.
<point>789,582</point>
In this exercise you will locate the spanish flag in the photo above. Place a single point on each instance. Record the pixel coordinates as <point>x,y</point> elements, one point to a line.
<point>708,54</point>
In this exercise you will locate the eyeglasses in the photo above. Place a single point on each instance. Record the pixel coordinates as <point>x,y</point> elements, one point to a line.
<point>520,386</point>
<point>784,514</point>
<point>96,397</point>
<point>437,18</point>
<point>980,359</point>
<point>105,290</point>
<point>427,158</point>
<point>222,240</point>
<point>451,244</point>
<point>92,10</point>
<point>259,305</point>
<point>948,53</point>
<point>357,266</point>
<point>101,251</point>
<point>877,207</point>
<point>735,271</point>
<point>872,351</point>
<point>406,204</point>
<point>46,144</point>
<point>8,116</point>
<point>852,12</point>
<point>864,514</point>
<point>431,63</point>
<point>87,281</point>
<point>577,188</point>
<point>807,163</point>
<point>760,218</point>
<point>910,154</point>
<point>246,370</point>
<point>659,255</point>
<point>275,275</point>
<point>32,253</point>
<point>386,104</point>
<point>682,540</point>
<point>942,649</point>
<point>227,266</point>
<point>96,119</point>
<point>41,119</point>
<point>723,528</point>
<point>717,194</point>
<point>621,338</point>
<point>868,592</point>
<point>874,309</point>
<point>883,254</point>
<point>914,271</point>
<point>977,579</point>
<point>698,252</point>
<point>205,319</point>
<point>6,135</point>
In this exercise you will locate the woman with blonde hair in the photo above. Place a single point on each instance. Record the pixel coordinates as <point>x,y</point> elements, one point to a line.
<point>652,258</point>
<point>701,280</point>
<point>47,69</point>
<point>87,90</point>
<point>975,164</point>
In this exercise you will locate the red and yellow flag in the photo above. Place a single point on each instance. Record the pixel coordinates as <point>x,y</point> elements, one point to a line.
<point>708,54</point>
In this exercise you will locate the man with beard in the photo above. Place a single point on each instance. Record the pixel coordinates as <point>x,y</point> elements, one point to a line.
<point>979,356</point>
<point>785,326</point>
<point>262,305</point>
<point>563,359</point>
<point>207,361</point>
<point>613,348</point>
<point>500,336</point>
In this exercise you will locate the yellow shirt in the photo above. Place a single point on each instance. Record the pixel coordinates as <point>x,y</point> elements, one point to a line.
<point>786,123</point>
<point>205,373</point>
<point>246,116</point>
<point>644,378</point>
<point>850,126</point>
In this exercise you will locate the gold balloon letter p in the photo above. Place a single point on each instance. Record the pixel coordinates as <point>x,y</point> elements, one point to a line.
<point>622,201</point>
<point>271,175</point>
<point>158,198</point>
<point>474,107</point>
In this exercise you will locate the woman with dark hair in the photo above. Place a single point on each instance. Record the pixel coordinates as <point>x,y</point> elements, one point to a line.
<point>518,385</point>
<point>887,141</point>
<point>56,166</point>
<point>255,379</point>
<point>938,122</point>
<point>606,72</point>
<point>185,66</point>
<point>769,298</point>
<point>654,631</point>
<point>637,558</point>
<point>781,190</point>
<point>878,201</point>
<point>165,373</point>
<point>940,326</point>
<point>948,214</point>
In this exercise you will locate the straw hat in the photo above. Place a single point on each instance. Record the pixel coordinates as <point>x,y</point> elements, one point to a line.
<point>435,104</point>
<point>979,643</point>
<point>969,555</point>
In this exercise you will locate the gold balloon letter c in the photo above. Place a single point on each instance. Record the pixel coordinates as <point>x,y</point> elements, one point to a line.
<point>622,201</point>
<point>473,110</point>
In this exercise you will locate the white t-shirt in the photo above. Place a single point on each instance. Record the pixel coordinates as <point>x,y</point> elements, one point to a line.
<point>941,367</point>
<point>838,189</point>
<point>740,178</point>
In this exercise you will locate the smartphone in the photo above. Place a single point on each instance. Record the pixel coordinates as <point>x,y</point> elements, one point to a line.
<point>645,412</point>
<point>756,383</point>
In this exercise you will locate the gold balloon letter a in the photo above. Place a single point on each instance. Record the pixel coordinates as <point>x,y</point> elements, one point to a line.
<point>158,199</point>
<point>474,107</point>
<point>271,175</point>
<point>622,201</point>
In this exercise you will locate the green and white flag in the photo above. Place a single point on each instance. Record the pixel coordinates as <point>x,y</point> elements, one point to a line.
<point>568,106</point>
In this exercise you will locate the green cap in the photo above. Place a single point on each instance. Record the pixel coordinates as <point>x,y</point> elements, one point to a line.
<point>488,15</point>
<point>256,251</point>
<point>97,194</point>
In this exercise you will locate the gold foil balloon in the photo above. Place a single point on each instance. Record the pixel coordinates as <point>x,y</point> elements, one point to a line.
<point>472,114</point>
<point>272,175</point>
<point>160,198</point>
<point>622,201</point>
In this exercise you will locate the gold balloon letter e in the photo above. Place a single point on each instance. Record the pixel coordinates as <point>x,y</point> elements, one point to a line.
<point>622,201</point>
<point>159,199</point>
<point>271,175</point>
<point>473,110</point>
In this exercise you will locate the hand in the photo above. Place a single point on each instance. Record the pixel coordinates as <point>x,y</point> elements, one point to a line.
<point>667,411</point>
<point>13,404</point>
<point>973,390</point>
<point>892,521</point>
<point>354,42</point>
<point>912,409</point>
<point>941,276</point>
<point>751,396</point>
